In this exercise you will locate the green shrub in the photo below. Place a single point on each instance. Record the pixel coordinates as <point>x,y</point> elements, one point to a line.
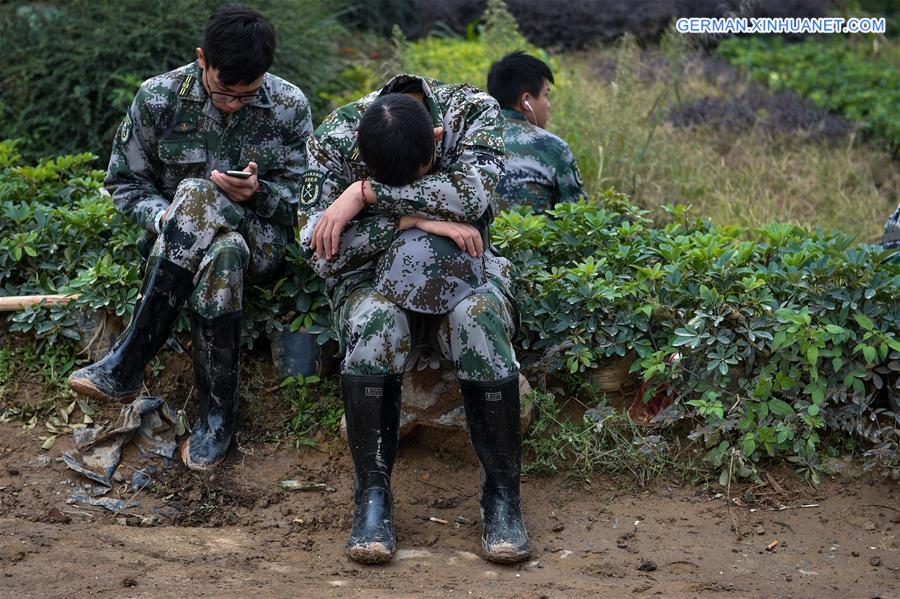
<point>767,339</point>
<point>834,75</point>
<point>59,234</point>
<point>70,69</point>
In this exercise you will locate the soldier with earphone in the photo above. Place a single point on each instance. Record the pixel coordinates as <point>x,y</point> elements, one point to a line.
<point>540,167</point>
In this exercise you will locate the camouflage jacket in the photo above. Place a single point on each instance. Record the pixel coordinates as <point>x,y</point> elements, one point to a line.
<point>459,188</point>
<point>173,131</point>
<point>540,167</point>
<point>891,239</point>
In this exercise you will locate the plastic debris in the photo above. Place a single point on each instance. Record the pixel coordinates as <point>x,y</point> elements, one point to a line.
<point>148,421</point>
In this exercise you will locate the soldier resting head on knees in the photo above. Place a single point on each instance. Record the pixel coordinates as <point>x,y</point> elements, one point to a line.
<point>540,167</point>
<point>395,212</point>
<point>185,131</point>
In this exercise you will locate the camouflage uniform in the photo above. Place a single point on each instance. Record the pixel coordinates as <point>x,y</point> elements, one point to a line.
<point>377,333</point>
<point>891,239</point>
<point>540,167</point>
<point>172,138</point>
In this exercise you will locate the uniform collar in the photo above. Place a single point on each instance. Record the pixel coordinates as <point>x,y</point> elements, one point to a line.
<point>512,113</point>
<point>196,92</point>
<point>404,81</point>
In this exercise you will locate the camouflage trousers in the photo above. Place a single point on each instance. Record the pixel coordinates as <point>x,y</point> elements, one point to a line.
<point>377,335</point>
<point>891,237</point>
<point>221,241</point>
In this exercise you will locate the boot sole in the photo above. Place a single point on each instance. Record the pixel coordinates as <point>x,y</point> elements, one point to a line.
<point>185,457</point>
<point>373,553</point>
<point>505,553</point>
<point>89,389</point>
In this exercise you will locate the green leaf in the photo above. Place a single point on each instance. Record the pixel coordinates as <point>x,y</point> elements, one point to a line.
<point>813,410</point>
<point>748,445</point>
<point>870,354</point>
<point>864,321</point>
<point>812,355</point>
<point>780,408</point>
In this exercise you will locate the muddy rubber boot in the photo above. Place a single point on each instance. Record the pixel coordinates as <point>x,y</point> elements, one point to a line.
<point>120,373</point>
<point>492,413</point>
<point>372,408</point>
<point>216,348</point>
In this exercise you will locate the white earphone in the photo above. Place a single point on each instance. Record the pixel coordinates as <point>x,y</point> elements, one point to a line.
<point>528,106</point>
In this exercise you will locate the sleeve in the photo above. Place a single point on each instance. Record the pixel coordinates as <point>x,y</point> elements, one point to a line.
<point>569,184</point>
<point>361,241</point>
<point>325,180</point>
<point>279,189</point>
<point>130,177</point>
<point>463,191</point>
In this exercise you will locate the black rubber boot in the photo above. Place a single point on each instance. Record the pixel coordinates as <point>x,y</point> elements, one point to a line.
<point>216,347</point>
<point>492,413</point>
<point>120,373</point>
<point>372,409</point>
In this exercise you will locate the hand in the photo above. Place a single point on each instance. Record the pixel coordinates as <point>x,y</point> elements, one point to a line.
<point>237,190</point>
<point>326,235</point>
<point>467,237</point>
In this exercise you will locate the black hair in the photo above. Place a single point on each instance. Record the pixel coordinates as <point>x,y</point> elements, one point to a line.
<point>395,138</point>
<point>240,43</point>
<point>515,74</point>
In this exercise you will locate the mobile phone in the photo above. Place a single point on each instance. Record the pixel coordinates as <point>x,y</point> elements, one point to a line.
<point>239,174</point>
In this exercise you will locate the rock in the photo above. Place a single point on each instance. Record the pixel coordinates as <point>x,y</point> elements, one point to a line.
<point>854,553</point>
<point>647,565</point>
<point>431,398</point>
<point>875,561</point>
<point>870,526</point>
<point>54,516</point>
<point>760,530</point>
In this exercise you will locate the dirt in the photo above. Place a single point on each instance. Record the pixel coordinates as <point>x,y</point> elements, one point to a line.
<point>237,533</point>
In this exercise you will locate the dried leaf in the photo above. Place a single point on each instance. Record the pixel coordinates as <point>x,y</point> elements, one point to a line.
<point>48,442</point>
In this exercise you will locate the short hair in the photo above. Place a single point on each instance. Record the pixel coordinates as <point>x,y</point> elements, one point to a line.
<point>515,74</point>
<point>240,43</point>
<point>395,138</point>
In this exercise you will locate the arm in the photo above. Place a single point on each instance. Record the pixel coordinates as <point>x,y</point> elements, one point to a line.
<point>462,191</point>
<point>327,180</point>
<point>568,178</point>
<point>130,177</point>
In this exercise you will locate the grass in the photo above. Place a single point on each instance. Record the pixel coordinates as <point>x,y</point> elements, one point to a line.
<point>604,441</point>
<point>618,131</point>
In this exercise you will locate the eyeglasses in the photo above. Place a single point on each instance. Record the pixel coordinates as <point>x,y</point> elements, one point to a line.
<point>223,98</point>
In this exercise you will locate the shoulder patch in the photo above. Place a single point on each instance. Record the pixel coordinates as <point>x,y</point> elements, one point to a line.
<point>577,174</point>
<point>311,187</point>
<point>186,85</point>
<point>125,129</point>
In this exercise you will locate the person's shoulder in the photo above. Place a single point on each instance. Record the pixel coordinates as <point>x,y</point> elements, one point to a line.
<point>338,129</point>
<point>464,94</point>
<point>167,85</point>
<point>283,92</point>
<point>345,120</point>
<point>553,143</point>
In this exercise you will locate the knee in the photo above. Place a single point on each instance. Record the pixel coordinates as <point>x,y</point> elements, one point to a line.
<point>194,191</point>
<point>229,250</point>
<point>376,317</point>
<point>480,312</point>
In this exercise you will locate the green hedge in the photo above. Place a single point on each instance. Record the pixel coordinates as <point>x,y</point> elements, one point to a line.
<point>59,234</point>
<point>773,342</point>
<point>768,340</point>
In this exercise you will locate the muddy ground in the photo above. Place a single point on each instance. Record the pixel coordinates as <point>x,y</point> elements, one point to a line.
<point>237,533</point>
